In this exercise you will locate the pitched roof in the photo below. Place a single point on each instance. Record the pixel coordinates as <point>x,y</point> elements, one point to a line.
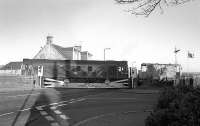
<point>63,51</point>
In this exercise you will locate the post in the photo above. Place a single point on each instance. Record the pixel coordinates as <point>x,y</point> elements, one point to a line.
<point>40,74</point>
<point>105,53</point>
<point>106,63</point>
<point>176,64</point>
<point>104,57</point>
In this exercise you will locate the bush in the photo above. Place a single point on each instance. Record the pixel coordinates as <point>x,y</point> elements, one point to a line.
<point>178,106</point>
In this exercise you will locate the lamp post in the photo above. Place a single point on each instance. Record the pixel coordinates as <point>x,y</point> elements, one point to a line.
<point>106,67</point>
<point>105,52</point>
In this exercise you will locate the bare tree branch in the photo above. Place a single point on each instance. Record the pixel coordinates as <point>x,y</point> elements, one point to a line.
<point>146,7</point>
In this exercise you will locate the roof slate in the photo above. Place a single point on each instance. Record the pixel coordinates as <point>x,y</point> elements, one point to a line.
<point>63,51</point>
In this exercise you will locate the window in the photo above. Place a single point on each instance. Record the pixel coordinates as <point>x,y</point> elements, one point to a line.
<point>89,68</point>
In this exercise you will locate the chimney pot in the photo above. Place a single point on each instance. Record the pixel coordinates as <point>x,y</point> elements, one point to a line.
<point>49,39</point>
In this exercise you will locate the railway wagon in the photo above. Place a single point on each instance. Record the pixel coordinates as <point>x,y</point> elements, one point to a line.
<point>159,73</point>
<point>77,70</point>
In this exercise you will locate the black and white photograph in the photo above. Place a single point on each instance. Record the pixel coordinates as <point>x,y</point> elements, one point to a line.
<point>99,63</point>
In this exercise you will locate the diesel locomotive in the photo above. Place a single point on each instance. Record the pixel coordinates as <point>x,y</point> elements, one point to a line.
<point>77,70</point>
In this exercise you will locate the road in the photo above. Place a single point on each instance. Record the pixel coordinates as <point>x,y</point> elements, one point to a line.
<point>76,107</point>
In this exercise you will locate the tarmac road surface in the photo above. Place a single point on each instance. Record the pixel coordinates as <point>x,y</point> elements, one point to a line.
<point>76,107</point>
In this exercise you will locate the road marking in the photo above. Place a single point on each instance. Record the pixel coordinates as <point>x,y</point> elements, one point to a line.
<point>49,118</point>
<point>100,98</point>
<point>82,99</point>
<point>57,112</point>
<point>43,113</point>
<point>24,109</point>
<point>23,95</point>
<point>55,103</point>
<point>64,117</point>
<point>53,107</point>
<point>55,124</point>
<point>61,105</point>
<point>6,114</point>
<point>39,108</point>
<point>72,102</point>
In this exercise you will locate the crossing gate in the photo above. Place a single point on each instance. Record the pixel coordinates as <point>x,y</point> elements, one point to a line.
<point>48,82</point>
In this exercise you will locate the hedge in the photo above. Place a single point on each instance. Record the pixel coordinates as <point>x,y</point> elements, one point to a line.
<point>176,106</point>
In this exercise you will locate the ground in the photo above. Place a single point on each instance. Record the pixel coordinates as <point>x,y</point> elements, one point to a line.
<point>22,104</point>
<point>76,107</point>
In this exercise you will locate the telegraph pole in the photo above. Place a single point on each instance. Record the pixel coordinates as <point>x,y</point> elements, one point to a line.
<point>176,64</point>
<point>105,64</point>
<point>175,54</point>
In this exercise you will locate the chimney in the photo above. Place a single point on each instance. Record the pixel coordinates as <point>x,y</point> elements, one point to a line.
<point>49,39</point>
<point>78,47</point>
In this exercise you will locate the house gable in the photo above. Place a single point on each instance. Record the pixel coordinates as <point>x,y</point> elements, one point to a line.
<point>49,52</point>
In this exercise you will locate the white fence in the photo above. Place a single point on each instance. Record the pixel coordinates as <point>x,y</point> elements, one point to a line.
<point>10,72</point>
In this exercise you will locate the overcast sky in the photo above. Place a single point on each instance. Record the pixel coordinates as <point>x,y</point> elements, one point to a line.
<point>98,24</point>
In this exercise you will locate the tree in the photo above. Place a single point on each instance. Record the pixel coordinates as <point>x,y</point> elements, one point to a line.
<point>146,7</point>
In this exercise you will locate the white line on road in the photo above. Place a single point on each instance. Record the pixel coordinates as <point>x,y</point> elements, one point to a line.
<point>49,118</point>
<point>82,99</point>
<point>53,107</point>
<point>64,117</point>
<point>24,109</point>
<point>72,102</point>
<point>39,108</point>
<point>55,103</point>
<point>43,113</point>
<point>57,112</point>
<point>6,114</point>
<point>61,105</point>
<point>100,98</point>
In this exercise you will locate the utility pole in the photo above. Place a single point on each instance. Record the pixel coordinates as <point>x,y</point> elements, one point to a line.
<point>106,67</point>
<point>175,54</point>
<point>176,64</point>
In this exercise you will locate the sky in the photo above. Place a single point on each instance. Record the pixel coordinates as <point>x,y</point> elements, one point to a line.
<point>99,24</point>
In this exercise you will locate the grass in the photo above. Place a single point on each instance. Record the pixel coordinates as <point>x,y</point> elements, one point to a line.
<point>15,82</point>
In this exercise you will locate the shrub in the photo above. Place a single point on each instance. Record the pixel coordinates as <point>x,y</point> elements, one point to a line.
<point>178,106</point>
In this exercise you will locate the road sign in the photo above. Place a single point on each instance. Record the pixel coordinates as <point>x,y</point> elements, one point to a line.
<point>40,71</point>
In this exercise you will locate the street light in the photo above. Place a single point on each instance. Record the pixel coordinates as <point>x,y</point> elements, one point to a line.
<point>106,67</point>
<point>105,52</point>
